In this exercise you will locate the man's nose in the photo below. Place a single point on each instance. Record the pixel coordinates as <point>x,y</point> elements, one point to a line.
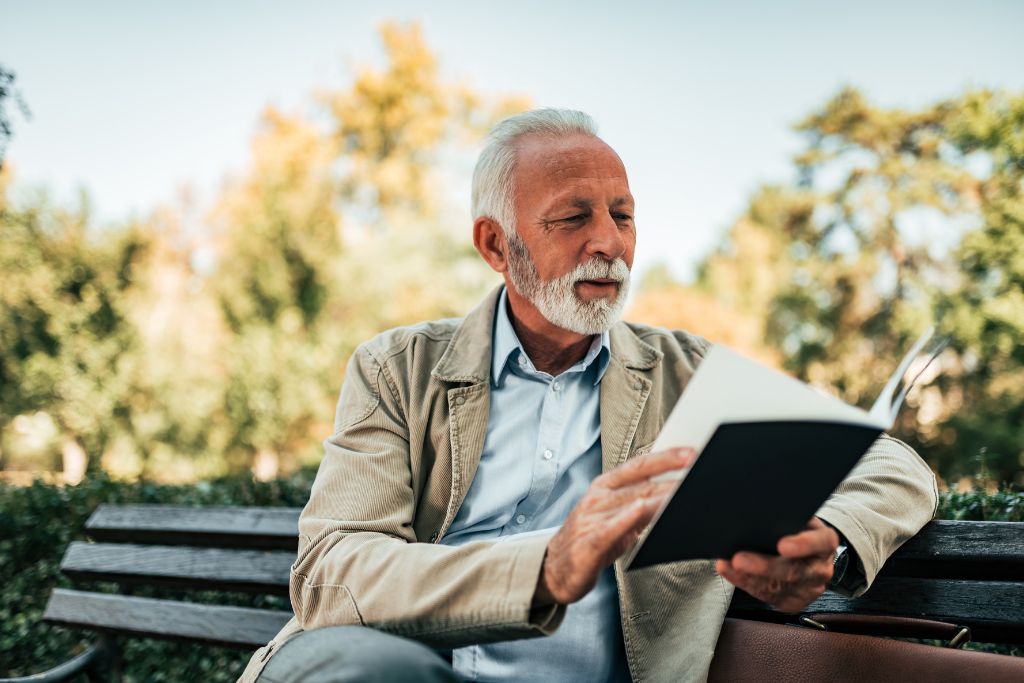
<point>606,239</point>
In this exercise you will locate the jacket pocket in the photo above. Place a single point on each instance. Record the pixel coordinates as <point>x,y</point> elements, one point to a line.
<point>325,604</point>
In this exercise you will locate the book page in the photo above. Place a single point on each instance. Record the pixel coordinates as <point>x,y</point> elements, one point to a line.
<point>925,350</point>
<point>730,388</point>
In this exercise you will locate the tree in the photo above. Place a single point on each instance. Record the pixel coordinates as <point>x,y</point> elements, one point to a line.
<point>662,300</point>
<point>985,311</point>
<point>158,363</point>
<point>337,231</point>
<point>8,93</point>
<point>66,343</point>
<point>848,265</point>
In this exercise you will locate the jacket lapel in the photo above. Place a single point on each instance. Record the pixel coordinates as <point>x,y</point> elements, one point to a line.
<point>465,366</point>
<point>624,391</point>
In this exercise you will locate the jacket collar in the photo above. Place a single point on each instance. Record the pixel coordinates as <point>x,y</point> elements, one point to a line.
<point>468,356</point>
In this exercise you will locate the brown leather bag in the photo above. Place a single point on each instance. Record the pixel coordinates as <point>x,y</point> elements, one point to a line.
<point>835,648</point>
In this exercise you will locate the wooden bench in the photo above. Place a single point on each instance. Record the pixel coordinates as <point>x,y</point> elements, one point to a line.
<point>967,573</point>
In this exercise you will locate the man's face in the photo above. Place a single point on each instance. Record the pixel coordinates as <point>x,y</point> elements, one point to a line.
<point>576,232</point>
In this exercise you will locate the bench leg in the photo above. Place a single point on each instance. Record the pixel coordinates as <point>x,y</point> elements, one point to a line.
<point>93,664</point>
<point>106,667</point>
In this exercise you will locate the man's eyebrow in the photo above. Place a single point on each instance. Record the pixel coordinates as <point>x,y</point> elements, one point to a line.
<point>581,203</point>
<point>624,199</point>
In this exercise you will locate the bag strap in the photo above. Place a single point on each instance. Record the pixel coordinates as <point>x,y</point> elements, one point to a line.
<point>894,627</point>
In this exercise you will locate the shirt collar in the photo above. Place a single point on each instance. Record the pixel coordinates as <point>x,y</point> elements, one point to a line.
<point>507,348</point>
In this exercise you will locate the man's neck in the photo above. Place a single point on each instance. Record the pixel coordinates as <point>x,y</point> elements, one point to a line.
<point>550,348</point>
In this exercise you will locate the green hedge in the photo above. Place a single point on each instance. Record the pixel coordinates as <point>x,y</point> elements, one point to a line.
<point>36,525</point>
<point>37,522</point>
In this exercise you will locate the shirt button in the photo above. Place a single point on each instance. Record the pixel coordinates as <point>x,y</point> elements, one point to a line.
<point>522,361</point>
<point>521,519</point>
<point>555,386</point>
<point>548,454</point>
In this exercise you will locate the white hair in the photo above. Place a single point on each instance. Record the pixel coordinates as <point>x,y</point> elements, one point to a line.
<point>493,189</point>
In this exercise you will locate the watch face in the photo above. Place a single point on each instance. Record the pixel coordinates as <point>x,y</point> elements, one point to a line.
<point>842,559</point>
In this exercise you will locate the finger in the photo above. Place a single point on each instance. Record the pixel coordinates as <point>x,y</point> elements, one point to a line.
<point>603,501</point>
<point>623,528</point>
<point>817,540</point>
<point>646,490</point>
<point>784,570</point>
<point>646,466</point>
<point>755,563</point>
<point>788,598</point>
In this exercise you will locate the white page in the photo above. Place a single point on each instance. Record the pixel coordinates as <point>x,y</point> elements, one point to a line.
<point>730,388</point>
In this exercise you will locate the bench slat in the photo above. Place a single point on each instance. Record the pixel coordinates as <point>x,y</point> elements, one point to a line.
<point>251,571</point>
<point>963,550</point>
<point>240,627</point>
<point>223,527</point>
<point>991,608</point>
<point>943,549</point>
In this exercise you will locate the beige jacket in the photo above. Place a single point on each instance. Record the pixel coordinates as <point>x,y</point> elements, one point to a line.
<point>409,431</point>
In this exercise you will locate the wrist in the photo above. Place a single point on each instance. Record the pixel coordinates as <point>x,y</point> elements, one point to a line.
<point>542,595</point>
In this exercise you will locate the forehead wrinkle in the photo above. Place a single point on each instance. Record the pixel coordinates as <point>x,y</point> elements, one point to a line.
<point>556,169</point>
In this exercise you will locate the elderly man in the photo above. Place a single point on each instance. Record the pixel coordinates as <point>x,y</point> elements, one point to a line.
<point>486,473</point>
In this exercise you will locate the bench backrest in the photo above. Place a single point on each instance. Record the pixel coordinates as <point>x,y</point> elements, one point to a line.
<point>968,573</point>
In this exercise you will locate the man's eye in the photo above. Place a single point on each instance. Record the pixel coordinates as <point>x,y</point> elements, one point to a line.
<point>575,219</point>
<point>622,217</point>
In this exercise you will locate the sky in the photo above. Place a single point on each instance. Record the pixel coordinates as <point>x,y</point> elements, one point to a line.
<point>133,101</point>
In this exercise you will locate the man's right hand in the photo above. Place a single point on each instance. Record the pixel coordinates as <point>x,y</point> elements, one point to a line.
<point>604,524</point>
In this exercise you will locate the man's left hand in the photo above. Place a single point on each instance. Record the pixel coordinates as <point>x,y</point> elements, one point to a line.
<point>793,579</point>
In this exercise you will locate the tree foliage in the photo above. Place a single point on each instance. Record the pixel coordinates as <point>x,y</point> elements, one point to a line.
<point>192,345</point>
<point>898,218</point>
<point>8,94</point>
<point>67,346</point>
<point>337,231</point>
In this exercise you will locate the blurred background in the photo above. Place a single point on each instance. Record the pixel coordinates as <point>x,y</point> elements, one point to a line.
<point>205,207</point>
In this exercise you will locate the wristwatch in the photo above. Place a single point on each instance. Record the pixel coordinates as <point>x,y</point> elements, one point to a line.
<point>840,563</point>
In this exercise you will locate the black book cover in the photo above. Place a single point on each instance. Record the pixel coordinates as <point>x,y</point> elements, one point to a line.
<point>772,450</point>
<point>777,475</point>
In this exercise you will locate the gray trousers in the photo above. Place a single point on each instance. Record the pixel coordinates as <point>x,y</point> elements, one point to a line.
<point>339,654</point>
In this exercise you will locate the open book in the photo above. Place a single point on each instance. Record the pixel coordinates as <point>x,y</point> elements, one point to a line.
<point>771,451</point>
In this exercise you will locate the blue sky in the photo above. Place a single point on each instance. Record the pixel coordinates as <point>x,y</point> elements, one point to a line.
<point>133,100</point>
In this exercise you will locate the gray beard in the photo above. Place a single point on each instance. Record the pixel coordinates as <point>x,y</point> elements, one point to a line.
<point>557,300</point>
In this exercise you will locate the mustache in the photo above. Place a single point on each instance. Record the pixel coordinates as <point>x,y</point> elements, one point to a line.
<point>599,268</point>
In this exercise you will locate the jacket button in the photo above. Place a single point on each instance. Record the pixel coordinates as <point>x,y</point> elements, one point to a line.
<point>638,386</point>
<point>460,400</point>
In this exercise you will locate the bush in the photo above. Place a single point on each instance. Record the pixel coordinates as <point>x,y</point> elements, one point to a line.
<point>1002,506</point>
<point>38,522</point>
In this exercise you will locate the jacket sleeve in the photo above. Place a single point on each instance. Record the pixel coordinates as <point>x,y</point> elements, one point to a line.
<point>359,561</point>
<point>884,501</point>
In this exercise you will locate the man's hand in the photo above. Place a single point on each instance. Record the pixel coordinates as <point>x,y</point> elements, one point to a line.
<point>604,524</point>
<point>792,580</point>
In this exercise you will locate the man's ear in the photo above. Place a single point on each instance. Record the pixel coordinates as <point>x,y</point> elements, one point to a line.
<point>489,240</point>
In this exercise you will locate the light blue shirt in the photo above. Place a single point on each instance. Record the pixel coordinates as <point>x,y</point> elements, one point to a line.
<point>543,448</point>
